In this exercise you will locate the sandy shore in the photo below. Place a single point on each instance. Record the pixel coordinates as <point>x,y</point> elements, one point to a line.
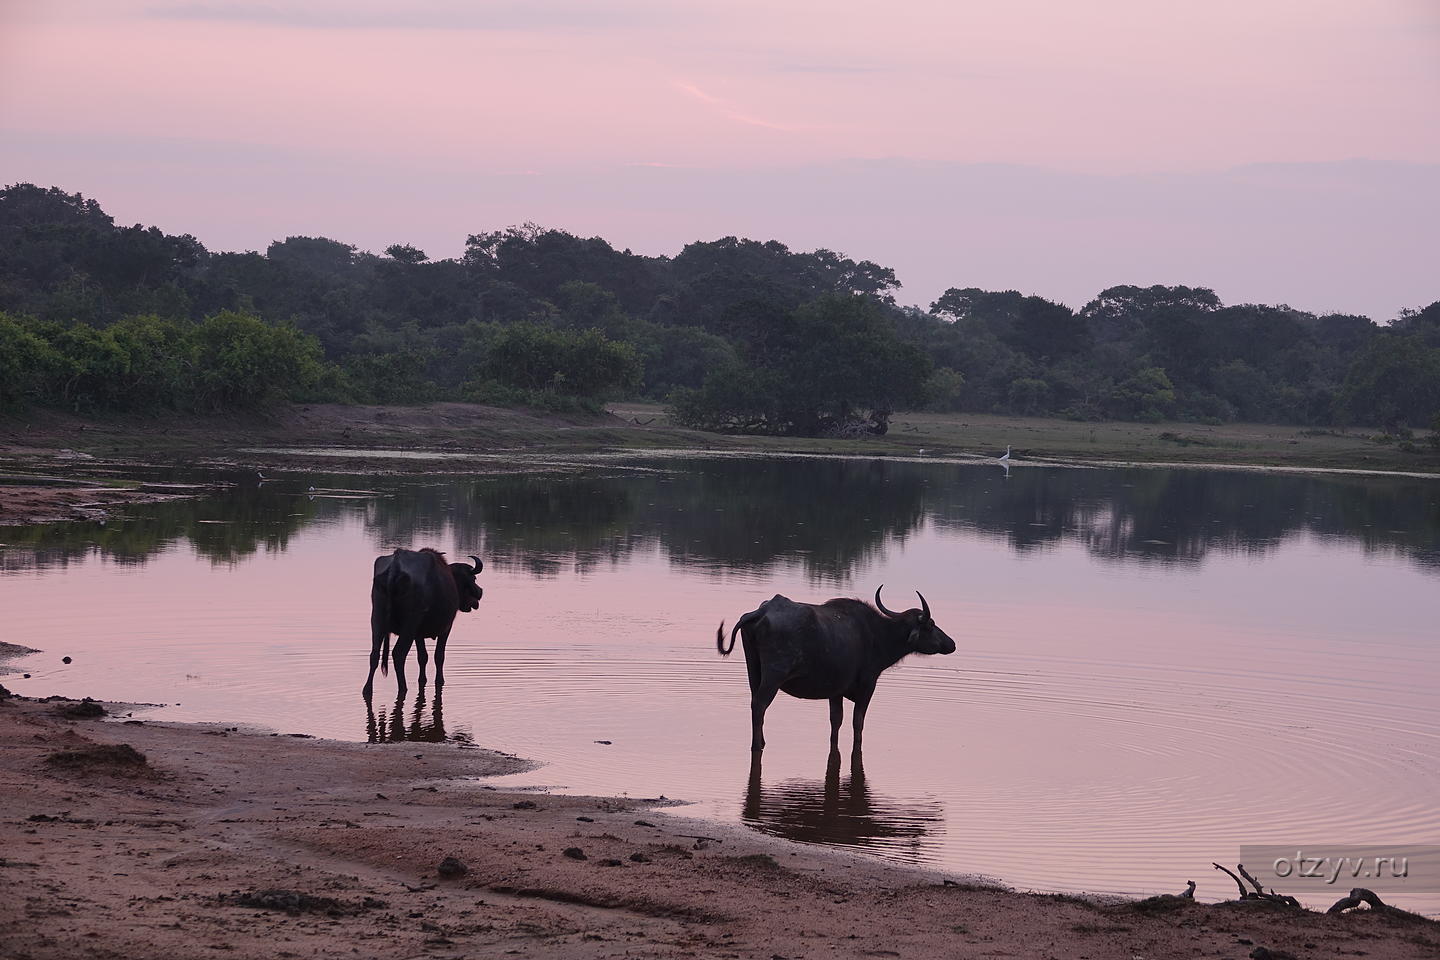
<point>129,838</point>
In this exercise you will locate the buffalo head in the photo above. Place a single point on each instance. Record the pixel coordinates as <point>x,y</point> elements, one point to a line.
<point>469,591</point>
<point>925,636</point>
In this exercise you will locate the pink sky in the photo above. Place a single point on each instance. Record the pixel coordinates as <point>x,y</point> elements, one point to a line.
<point>1048,145</point>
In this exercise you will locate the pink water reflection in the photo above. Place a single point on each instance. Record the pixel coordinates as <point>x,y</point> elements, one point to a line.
<point>1105,726</point>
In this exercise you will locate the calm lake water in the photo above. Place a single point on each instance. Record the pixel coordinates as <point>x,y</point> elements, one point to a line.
<point>1155,666</point>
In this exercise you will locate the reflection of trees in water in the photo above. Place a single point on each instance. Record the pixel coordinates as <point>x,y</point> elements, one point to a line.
<point>826,515</point>
<point>836,810</point>
<point>1181,515</point>
<point>222,529</point>
<point>743,514</point>
<point>425,724</point>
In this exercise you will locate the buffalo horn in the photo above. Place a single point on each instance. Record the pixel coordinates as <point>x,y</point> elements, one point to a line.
<point>480,566</point>
<point>880,606</point>
<point>924,607</point>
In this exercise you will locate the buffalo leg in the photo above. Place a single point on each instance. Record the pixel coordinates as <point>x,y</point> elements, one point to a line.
<point>759,703</point>
<point>837,717</point>
<point>421,657</point>
<point>375,641</point>
<point>752,667</point>
<point>397,657</point>
<point>440,660</point>
<point>857,716</point>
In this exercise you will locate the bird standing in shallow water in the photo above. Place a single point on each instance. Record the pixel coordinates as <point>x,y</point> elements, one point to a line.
<point>1006,457</point>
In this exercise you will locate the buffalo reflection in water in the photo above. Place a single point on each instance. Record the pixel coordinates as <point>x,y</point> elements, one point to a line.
<point>423,727</point>
<point>846,813</point>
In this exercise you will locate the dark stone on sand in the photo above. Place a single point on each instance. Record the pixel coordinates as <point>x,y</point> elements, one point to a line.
<point>639,858</point>
<point>86,709</point>
<point>575,853</point>
<point>643,823</point>
<point>523,805</point>
<point>451,867</point>
<point>585,819</point>
<point>64,659</point>
<point>610,863</point>
<point>294,902</point>
<point>115,755</point>
<point>1265,953</point>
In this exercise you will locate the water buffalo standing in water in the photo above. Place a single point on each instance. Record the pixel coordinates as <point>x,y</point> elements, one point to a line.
<point>416,594</point>
<point>826,651</point>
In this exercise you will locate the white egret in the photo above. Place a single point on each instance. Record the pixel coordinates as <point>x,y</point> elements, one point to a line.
<point>1006,457</point>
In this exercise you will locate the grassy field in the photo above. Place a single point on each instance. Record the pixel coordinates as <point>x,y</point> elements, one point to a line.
<point>471,428</point>
<point>967,434</point>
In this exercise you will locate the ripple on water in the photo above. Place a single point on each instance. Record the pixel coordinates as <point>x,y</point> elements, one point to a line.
<point>1117,742</point>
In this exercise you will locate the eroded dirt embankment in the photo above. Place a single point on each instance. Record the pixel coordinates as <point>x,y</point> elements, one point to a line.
<point>128,838</point>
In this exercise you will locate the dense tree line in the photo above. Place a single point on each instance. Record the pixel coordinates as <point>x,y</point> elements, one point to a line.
<point>737,334</point>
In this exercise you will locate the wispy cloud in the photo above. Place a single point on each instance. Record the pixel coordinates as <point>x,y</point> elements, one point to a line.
<point>840,69</point>
<point>729,111</point>
<point>559,16</point>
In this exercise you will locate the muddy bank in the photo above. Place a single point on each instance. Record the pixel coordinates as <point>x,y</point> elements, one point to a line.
<point>126,837</point>
<point>57,467</point>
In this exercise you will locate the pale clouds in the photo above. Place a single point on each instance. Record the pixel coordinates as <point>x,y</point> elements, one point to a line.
<point>1048,145</point>
<point>561,16</point>
<point>729,111</point>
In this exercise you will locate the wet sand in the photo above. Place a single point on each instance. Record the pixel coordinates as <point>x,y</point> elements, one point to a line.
<point>228,843</point>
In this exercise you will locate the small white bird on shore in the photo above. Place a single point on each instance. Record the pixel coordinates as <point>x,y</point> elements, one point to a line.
<point>1006,457</point>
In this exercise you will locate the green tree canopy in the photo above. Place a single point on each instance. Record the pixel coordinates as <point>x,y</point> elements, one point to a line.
<point>835,363</point>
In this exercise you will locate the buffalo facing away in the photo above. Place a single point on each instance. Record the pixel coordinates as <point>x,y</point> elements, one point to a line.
<point>833,651</point>
<point>416,594</point>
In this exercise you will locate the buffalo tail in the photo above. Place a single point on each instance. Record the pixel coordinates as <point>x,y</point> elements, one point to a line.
<point>385,656</point>
<point>740,624</point>
<point>720,639</point>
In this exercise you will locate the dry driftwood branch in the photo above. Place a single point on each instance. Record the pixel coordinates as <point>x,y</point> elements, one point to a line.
<point>1253,882</point>
<point>1361,895</point>
<point>1243,892</point>
<point>1259,892</point>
